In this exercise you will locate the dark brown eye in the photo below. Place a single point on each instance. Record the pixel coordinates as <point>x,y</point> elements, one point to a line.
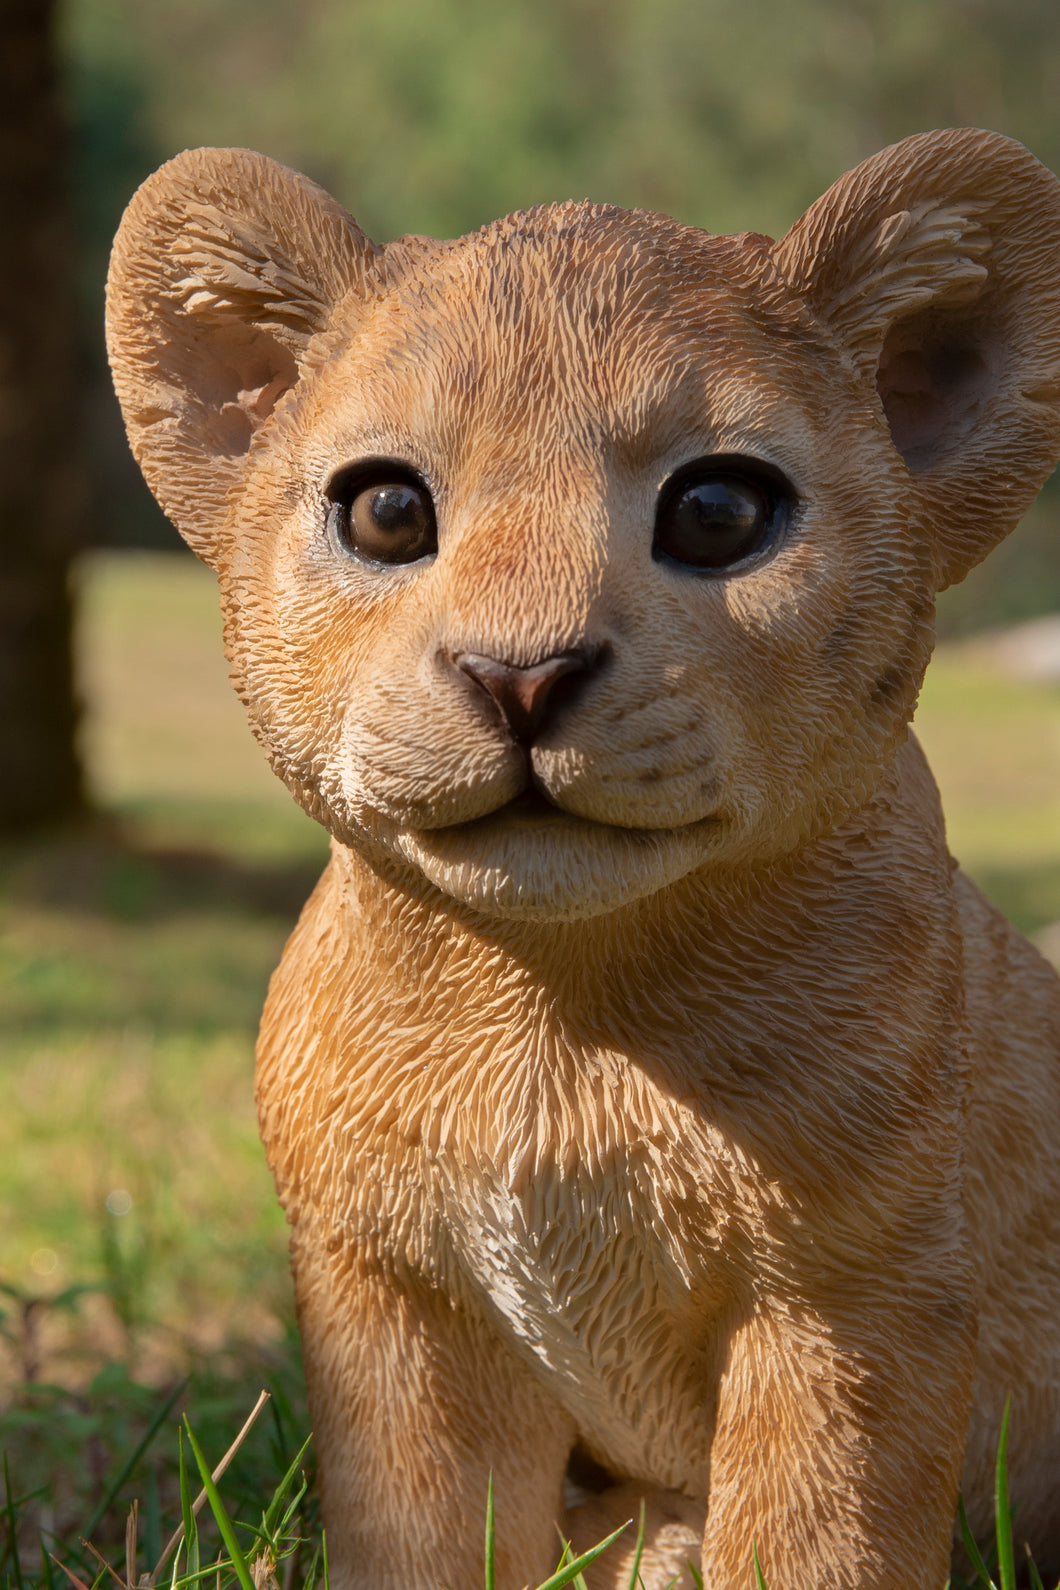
<point>712,515</point>
<point>384,515</point>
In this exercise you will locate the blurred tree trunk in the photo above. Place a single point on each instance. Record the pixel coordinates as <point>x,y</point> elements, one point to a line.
<point>41,485</point>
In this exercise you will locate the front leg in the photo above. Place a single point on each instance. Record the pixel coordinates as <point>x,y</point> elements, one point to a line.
<point>838,1444</point>
<point>414,1401</point>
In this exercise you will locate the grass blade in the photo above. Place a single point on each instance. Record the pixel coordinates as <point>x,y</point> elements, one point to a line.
<point>157,1419</point>
<point>105,1568</point>
<point>12,1529</point>
<point>191,1529</point>
<point>571,1570</point>
<point>490,1536</point>
<point>217,1507</point>
<point>78,1584</point>
<point>286,1525</point>
<point>1006,1562</point>
<point>132,1542</point>
<point>975,1556</point>
<point>185,1581</point>
<point>277,1408</point>
<point>696,1576</point>
<point>310,1580</point>
<point>273,1518</point>
<point>567,1556</point>
<point>196,1506</point>
<point>638,1549</point>
<point>153,1517</point>
<point>1032,1572</point>
<point>46,1567</point>
<point>760,1578</point>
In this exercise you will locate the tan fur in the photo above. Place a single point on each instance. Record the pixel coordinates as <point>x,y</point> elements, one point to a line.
<point>706,1122</point>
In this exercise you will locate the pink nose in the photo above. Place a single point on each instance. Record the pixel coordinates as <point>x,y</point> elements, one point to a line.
<point>524,695</point>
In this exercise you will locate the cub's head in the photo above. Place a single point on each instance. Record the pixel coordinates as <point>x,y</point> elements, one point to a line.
<point>592,549</point>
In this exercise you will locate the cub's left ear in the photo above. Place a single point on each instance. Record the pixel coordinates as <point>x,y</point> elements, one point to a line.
<point>936,267</point>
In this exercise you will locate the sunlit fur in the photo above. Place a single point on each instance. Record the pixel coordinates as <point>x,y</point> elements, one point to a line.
<point>703,1118</point>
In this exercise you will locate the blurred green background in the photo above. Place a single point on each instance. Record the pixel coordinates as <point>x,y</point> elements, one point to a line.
<point>135,944</point>
<point>439,115</point>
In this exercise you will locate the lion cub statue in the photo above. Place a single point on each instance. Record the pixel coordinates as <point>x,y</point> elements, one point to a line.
<point>658,1111</point>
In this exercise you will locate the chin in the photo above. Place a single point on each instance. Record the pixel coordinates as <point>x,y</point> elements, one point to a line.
<point>533,862</point>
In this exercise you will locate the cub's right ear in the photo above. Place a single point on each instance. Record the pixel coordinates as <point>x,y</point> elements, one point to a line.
<point>225,267</point>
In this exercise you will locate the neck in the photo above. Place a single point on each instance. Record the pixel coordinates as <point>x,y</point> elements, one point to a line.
<point>713,926</point>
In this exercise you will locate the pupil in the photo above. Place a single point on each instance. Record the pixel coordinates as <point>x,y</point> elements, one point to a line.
<point>721,510</point>
<point>395,507</point>
<point>714,523</point>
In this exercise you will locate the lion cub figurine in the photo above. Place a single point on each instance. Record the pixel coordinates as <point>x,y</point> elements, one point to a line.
<point>658,1111</point>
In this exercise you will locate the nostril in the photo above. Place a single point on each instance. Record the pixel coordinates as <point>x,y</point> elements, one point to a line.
<point>524,695</point>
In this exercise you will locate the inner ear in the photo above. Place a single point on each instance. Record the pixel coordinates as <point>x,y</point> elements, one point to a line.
<point>243,372</point>
<point>936,375</point>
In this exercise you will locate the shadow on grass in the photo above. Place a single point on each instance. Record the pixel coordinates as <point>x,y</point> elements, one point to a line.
<point>103,929</point>
<point>104,870</point>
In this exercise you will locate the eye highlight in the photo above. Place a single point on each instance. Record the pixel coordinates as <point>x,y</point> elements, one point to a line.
<point>382,511</point>
<point>720,512</point>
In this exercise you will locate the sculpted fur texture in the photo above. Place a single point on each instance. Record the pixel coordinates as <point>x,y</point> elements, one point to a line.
<point>658,1111</point>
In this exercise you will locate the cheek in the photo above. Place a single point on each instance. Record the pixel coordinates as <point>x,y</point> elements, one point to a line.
<point>780,664</point>
<point>302,639</point>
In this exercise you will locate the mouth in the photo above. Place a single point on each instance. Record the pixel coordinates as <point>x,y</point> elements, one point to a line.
<point>533,859</point>
<point>532,806</point>
<point>533,810</point>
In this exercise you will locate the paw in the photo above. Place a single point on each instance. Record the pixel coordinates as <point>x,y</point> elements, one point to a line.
<point>673,1536</point>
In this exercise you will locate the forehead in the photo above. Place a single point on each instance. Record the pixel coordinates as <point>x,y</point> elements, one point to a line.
<point>580,309</point>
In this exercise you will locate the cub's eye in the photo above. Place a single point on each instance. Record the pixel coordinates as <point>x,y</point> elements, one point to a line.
<point>384,512</point>
<point>720,511</point>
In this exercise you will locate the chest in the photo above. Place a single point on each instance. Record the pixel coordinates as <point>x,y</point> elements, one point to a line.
<point>601,1225</point>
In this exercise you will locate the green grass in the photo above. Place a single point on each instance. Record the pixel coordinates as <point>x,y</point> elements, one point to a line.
<point>133,964</point>
<point>994,746</point>
<point>288,1545</point>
